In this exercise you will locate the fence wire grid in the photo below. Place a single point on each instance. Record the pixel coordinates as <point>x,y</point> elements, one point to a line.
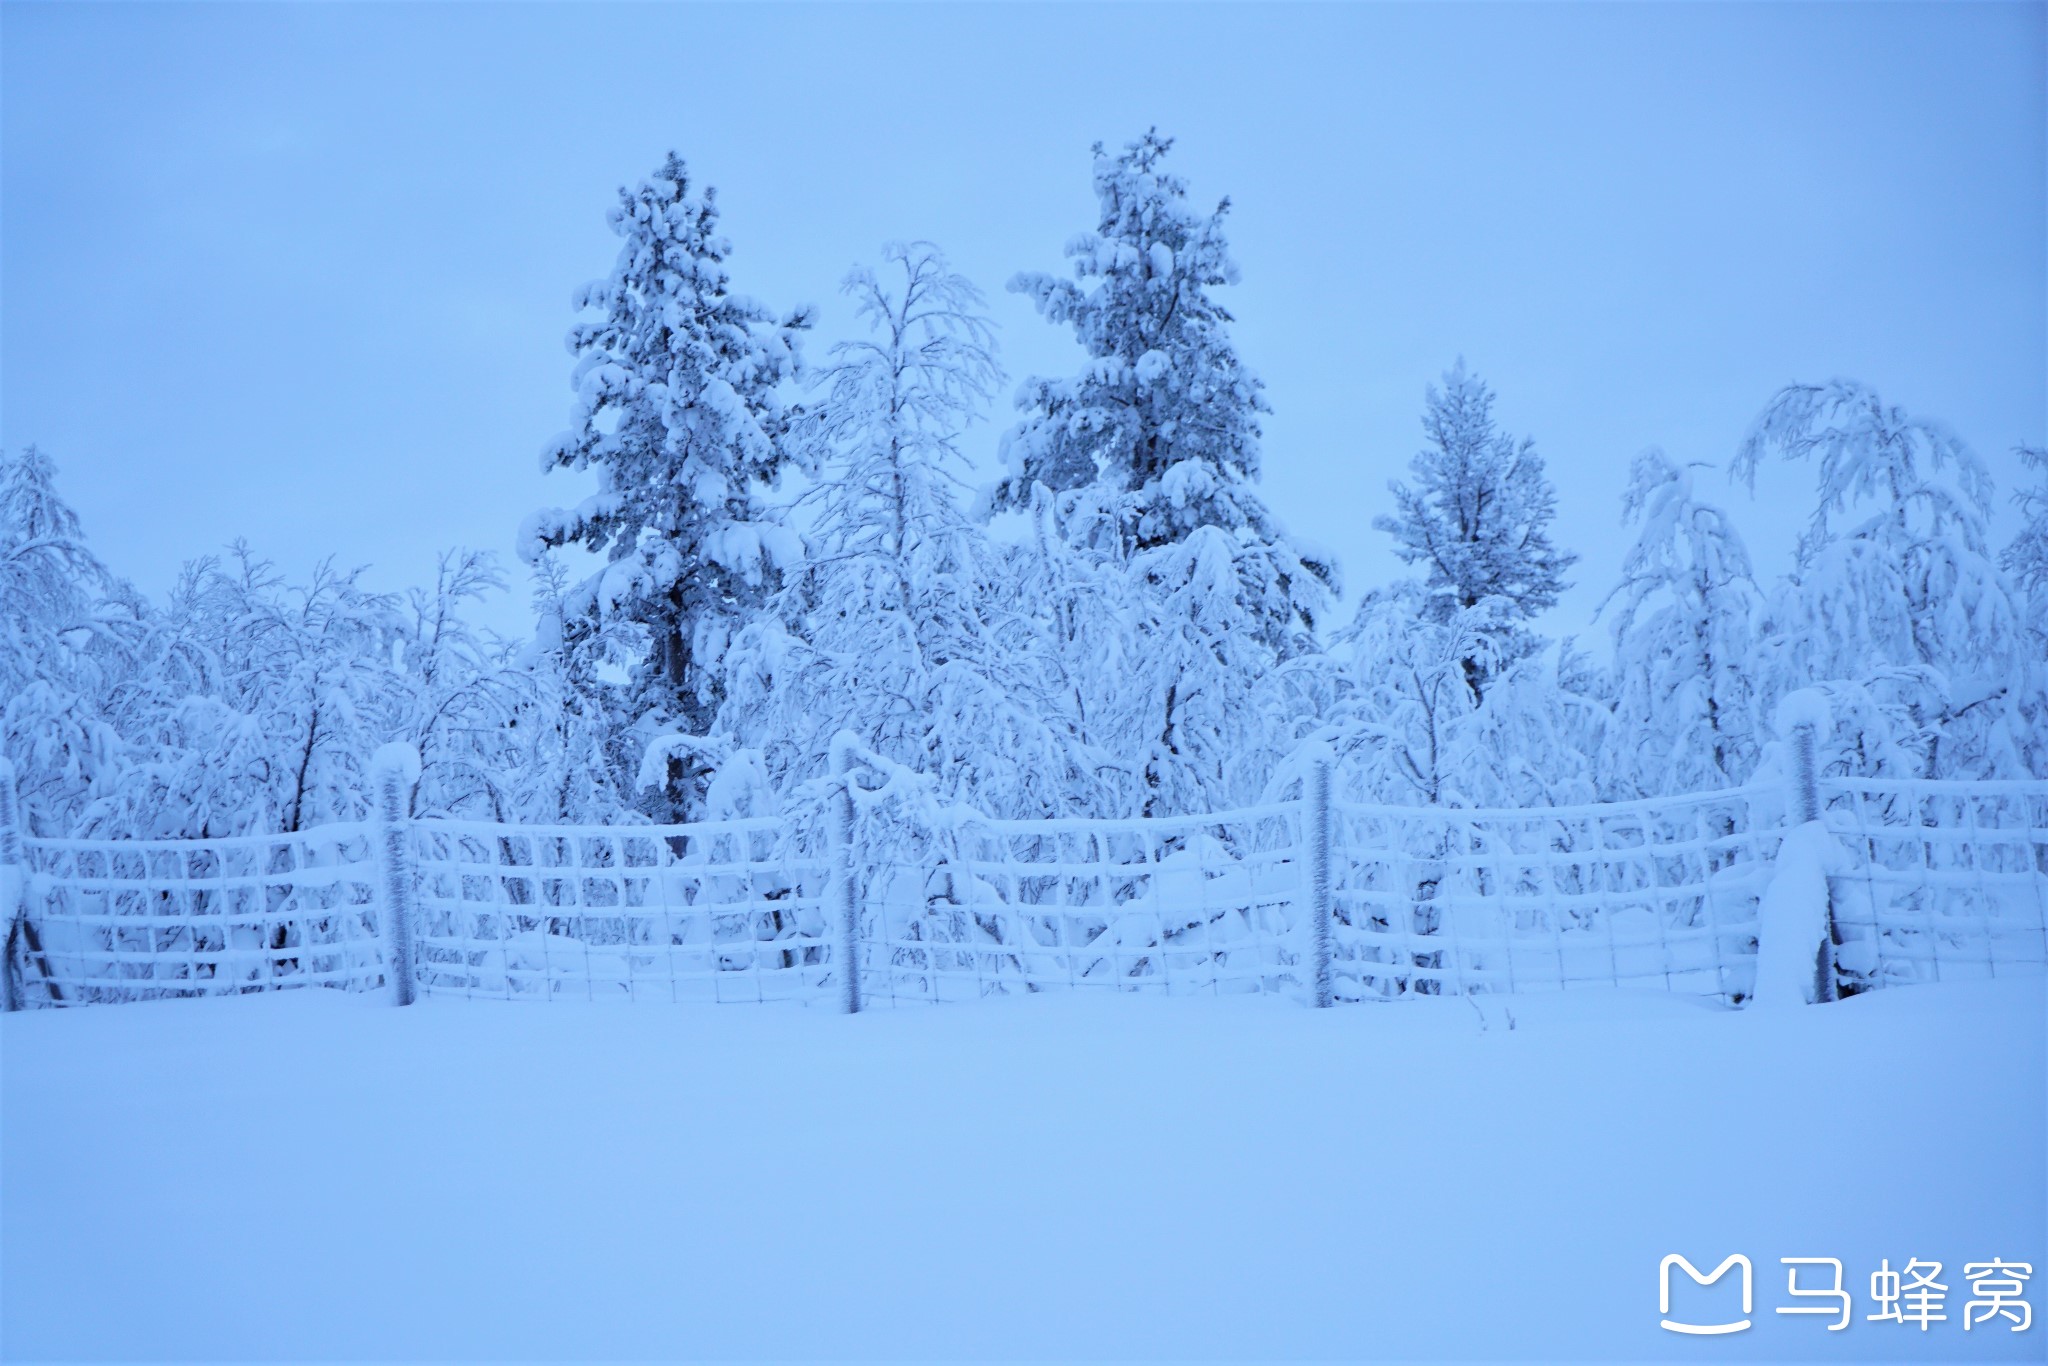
<point>1935,881</point>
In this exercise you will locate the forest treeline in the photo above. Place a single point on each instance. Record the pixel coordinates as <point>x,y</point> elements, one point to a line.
<point>1117,625</point>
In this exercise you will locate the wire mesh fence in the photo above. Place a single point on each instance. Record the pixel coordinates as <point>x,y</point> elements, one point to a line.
<point>1172,906</point>
<point>1301,898</point>
<point>1942,880</point>
<point>138,920</point>
<point>674,913</point>
<point>1656,894</point>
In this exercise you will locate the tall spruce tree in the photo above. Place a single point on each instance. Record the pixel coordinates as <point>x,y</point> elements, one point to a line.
<point>677,411</point>
<point>1164,415</point>
<point>1476,522</point>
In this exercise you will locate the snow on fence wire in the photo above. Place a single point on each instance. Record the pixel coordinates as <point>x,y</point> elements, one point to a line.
<point>138,920</point>
<point>1169,905</point>
<point>1656,894</point>
<point>1941,880</point>
<point>710,912</point>
<point>1312,899</point>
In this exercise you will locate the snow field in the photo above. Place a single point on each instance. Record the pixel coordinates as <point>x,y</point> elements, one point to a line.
<point>308,1174</point>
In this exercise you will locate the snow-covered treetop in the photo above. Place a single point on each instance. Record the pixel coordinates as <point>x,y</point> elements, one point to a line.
<point>1164,397</point>
<point>1158,435</point>
<point>1680,539</point>
<point>1928,484</point>
<point>894,403</point>
<point>63,607</point>
<point>675,380</point>
<point>1476,521</point>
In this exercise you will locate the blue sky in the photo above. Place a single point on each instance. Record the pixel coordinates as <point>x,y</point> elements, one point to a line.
<point>303,273</point>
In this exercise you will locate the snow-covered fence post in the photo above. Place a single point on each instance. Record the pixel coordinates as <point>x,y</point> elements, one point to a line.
<point>394,768</point>
<point>13,885</point>
<point>845,905</point>
<point>1319,875</point>
<point>1795,956</point>
<point>1806,771</point>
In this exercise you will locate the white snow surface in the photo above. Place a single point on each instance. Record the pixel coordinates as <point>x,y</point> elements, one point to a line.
<point>308,1174</point>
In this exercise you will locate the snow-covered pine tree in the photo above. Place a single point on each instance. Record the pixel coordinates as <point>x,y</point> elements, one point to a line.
<point>677,411</point>
<point>1687,715</point>
<point>1895,603</point>
<point>1150,449</point>
<point>895,629</point>
<point>1164,414</point>
<point>1476,521</point>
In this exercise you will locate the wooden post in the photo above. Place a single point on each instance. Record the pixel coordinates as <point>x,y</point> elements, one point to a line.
<point>1319,877</point>
<point>844,901</point>
<point>394,768</point>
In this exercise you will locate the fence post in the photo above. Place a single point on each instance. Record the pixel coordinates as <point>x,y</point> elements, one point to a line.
<point>1795,922</point>
<point>844,902</point>
<point>1806,772</point>
<point>1806,778</point>
<point>1319,874</point>
<point>393,770</point>
<point>13,886</point>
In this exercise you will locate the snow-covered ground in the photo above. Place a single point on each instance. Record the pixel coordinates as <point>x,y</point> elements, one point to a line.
<point>307,1174</point>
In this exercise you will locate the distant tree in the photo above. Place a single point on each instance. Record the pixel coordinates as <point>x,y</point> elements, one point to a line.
<point>678,412</point>
<point>468,699</point>
<point>1476,521</point>
<point>2026,561</point>
<point>302,687</point>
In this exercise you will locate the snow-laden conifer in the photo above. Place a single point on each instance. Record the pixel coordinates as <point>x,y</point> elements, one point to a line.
<point>1164,414</point>
<point>678,412</point>
<point>1476,522</point>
